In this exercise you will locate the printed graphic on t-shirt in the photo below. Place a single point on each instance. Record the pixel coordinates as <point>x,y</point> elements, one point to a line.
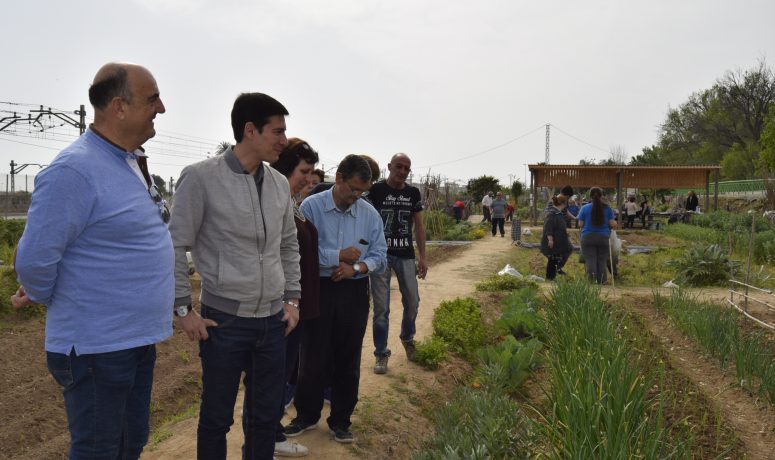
<point>396,208</point>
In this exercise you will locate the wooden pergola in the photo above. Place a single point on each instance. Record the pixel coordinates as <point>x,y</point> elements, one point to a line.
<point>620,177</point>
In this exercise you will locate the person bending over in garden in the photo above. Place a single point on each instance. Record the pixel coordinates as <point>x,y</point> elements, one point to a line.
<point>555,243</point>
<point>596,220</point>
<point>351,245</point>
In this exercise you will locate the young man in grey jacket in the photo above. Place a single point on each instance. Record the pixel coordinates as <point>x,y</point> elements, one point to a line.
<point>234,214</point>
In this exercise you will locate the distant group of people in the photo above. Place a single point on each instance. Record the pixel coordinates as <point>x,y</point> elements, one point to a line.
<point>286,274</point>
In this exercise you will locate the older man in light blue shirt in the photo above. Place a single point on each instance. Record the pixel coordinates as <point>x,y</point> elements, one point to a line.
<point>352,245</point>
<point>96,251</point>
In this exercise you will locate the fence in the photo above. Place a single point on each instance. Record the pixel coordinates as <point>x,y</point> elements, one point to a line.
<point>736,187</point>
<point>18,201</point>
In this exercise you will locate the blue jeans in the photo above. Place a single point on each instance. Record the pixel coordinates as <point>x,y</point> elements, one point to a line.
<point>380,294</point>
<point>257,347</point>
<point>107,400</point>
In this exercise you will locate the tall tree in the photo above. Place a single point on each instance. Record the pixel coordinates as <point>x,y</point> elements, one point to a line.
<point>479,186</point>
<point>517,188</point>
<point>160,184</point>
<point>721,125</point>
<point>222,146</point>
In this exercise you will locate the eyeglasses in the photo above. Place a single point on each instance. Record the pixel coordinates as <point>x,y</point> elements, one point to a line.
<point>354,191</point>
<point>160,202</point>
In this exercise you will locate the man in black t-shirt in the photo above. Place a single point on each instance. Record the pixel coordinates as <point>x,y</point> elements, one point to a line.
<point>400,206</point>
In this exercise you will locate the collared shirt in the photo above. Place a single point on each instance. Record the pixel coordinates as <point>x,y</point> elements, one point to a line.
<point>236,166</point>
<point>358,226</point>
<point>96,252</point>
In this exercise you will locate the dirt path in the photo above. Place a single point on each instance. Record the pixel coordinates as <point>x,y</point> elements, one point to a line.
<point>380,396</point>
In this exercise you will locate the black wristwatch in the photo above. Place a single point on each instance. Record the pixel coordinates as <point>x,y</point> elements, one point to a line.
<point>182,310</point>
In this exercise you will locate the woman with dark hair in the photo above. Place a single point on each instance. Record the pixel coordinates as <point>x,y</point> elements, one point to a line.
<point>297,163</point>
<point>596,220</point>
<point>555,244</point>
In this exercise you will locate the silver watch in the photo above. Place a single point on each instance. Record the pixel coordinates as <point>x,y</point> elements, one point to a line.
<point>182,310</point>
<point>357,268</point>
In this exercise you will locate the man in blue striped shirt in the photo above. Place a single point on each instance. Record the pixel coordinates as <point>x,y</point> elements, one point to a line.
<point>351,244</point>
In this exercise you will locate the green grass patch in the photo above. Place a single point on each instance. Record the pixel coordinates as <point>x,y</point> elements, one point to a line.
<point>718,330</point>
<point>478,424</point>
<point>503,283</point>
<point>598,393</point>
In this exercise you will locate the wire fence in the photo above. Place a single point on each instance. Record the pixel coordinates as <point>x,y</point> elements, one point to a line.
<point>15,193</point>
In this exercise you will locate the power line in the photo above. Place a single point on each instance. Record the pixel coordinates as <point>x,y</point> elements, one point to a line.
<point>580,140</point>
<point>27,143</point>
<point>484,151</point>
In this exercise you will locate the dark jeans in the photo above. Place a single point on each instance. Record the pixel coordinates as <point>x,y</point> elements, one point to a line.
<point>594,247</point>
<point>257,347</point>
<point>332,343</point>
<point>458,213</point>
<point>498,222</point>
<point>292,342</point>
<point>107,400</point>
<point>564,259</point>
<point>552,265</point>
<point>486,212</point>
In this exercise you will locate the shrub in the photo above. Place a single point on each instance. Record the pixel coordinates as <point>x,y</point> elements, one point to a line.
<point>431,352</point>
<point>11,231</point>
<point>478,424</point>
<point>440,226</point>
<point>459,323</point>
<point>704,266</point>
<point>508,364</point>
<point>764,247</point>
<point>520,316</point>
<point>504,283</point>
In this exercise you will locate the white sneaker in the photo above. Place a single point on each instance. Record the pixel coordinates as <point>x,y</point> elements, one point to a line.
<point>289,448</point>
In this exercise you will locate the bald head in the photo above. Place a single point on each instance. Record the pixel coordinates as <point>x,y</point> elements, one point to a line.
<point>399,168</point>
<point>125,100</point>
<point>401,156</point>
<point>114,79</point>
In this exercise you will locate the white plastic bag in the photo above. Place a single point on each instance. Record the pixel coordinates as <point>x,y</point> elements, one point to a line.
<point>509,270</point>
<point>616,244</point>
<point>527,232</point>
<point>670,284</point>
<point>536,278</point>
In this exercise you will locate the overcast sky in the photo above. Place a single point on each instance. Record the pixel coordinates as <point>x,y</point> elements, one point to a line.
<point>443,81</point>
